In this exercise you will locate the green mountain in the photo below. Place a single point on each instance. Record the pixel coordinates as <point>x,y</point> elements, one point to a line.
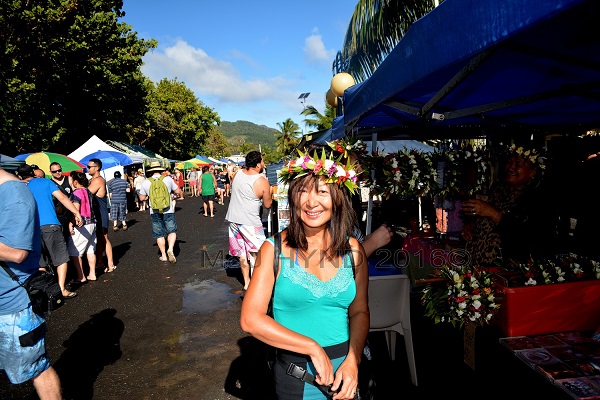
<point>244,131</point>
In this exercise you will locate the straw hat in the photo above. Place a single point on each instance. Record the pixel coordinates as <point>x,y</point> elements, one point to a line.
<point>155,166</point>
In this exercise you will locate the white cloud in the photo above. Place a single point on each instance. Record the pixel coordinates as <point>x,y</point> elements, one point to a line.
<point>314,48</point>
<point>221,84</point>
<point>208,76</point>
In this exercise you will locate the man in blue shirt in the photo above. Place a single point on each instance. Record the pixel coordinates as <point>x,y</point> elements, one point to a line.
<point>117,193</point>
<point>54,246</point>
<point>22,346</point>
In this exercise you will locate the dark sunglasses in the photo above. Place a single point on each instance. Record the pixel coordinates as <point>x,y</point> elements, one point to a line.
<point>91,166</point>
<point>34,166</point>
<point>58,170</point>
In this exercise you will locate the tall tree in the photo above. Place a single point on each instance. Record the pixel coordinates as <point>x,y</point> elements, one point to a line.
<point>177,122</point>
<point>316,120</point>
<point>374,30</point>
<point>215,144</point>
<point>68,70</point>
<point>287,136</point>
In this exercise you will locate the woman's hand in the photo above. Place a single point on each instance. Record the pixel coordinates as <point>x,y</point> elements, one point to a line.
<point>323,366</point>
<point>346,381</point>
<point>479,208</point>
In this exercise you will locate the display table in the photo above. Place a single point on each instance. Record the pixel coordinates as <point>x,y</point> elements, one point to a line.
<point>569,360</point>
<point>541,309</point>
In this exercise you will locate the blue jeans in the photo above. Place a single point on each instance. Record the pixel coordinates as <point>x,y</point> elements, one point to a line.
<point>163,224</point>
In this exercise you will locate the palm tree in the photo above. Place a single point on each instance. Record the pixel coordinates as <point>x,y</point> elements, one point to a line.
<point>287,136</point>
<point>316,120</point>
<point>374,30</point>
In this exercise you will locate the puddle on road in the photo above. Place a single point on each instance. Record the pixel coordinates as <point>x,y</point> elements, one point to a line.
<point>206,296</point>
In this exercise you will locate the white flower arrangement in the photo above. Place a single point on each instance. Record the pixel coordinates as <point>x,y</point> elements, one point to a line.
<point>466,295</point>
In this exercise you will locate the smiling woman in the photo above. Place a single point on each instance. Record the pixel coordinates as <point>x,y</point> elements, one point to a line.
<point>322,277</point>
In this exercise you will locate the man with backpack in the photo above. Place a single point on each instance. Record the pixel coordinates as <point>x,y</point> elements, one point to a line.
<point>158,189</point>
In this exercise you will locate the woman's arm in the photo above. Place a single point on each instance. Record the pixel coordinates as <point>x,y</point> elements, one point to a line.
<point>255,321</point>
<point>359,319</point>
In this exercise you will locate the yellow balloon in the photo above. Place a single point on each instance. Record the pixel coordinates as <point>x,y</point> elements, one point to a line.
<point>341,82</point>
<point>331,98</point>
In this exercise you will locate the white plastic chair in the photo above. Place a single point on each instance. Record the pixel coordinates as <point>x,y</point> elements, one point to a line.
<point>389,304</point>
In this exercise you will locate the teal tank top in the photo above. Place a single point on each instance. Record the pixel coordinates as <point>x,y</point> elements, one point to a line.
<point>305,304</point>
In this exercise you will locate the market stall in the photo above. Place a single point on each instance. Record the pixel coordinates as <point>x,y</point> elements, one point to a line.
<point>498,73</point>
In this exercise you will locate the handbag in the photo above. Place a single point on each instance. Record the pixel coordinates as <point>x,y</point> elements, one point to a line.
<point>42,288</point>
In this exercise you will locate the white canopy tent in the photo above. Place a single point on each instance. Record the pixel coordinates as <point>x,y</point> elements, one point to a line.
<point>94,144</point>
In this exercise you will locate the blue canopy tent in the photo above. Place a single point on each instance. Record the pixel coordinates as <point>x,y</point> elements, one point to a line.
<point>471,67</point>
<point>474,68</point>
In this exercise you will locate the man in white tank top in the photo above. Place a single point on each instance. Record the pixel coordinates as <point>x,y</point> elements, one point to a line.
<point>249,187</point>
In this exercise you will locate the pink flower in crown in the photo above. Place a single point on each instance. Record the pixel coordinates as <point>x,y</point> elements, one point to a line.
<point>304,161</point>
<point>318,166</point>
<point>329,166</point>
<point>332,170</point>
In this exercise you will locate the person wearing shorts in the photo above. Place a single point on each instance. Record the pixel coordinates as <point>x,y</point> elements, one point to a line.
<point>83,240</point>
<point>23,355</point>
<point>54,246</point>
<point>118,189</point>
<point>208,185</point>
<point>249,190</point>
<point>193,178</point>
<point>163,224</point>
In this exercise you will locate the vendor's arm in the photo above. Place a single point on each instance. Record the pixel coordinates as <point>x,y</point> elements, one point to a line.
<point>255,321</point>
<point>359,317</point>
<point>376,239</point>
<point>480,208</point>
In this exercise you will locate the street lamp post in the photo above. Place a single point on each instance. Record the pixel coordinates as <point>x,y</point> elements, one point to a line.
<point>302,98</point>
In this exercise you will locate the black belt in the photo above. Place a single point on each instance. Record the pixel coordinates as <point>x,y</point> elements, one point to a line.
<point>298,372</point>
<point>287,360</point>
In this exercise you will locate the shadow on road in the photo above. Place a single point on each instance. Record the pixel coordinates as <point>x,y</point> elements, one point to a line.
<point>249,378</point>
<point>93,345</point>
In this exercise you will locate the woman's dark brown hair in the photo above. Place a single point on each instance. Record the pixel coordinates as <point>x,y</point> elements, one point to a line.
<point>343,217</point>
<point>80,177</point>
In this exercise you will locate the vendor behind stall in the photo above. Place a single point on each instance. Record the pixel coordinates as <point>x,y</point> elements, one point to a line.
<point>519,219</point>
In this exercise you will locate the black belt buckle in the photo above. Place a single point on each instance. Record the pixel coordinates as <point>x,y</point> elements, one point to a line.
<point>296,371</point>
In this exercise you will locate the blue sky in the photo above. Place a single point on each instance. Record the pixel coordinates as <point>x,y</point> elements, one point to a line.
<point>248,60</point>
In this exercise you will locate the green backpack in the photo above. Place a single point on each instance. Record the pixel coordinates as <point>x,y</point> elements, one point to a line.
<point>160,198</point>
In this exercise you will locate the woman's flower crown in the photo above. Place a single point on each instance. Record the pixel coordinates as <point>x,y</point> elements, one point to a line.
<point>532,155</point>
<point>333,170</point>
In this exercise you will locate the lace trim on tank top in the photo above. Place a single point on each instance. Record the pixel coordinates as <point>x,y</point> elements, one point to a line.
<point>334,286</point>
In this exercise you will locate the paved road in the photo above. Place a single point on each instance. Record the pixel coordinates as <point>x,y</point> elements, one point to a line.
<point>153,330</point>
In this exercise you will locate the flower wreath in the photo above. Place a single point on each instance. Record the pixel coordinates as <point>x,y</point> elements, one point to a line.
<point>333,170</point>
<point>532,155</point>
<point>406,173</point>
